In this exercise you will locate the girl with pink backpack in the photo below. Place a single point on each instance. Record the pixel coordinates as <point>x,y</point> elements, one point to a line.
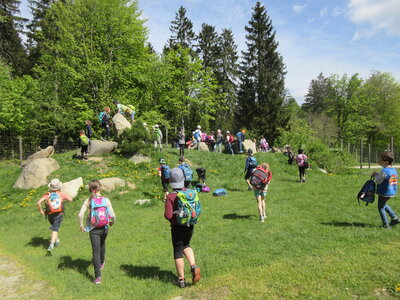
<point>101,215</point>
<point>301,160</point>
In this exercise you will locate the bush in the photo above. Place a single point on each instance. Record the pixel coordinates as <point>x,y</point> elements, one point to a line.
<point>136,139</point>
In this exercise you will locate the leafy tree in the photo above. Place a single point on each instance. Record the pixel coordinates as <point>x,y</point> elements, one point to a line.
<point>262,88</point>
<point>181,31</point>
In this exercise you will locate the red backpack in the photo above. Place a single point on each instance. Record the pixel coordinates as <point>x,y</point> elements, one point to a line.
<point>54,204</point>
<point>260,178</point>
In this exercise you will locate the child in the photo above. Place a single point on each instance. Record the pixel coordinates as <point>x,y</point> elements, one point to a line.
<point>387,188</point>
<point>181,141</point>
<point>228,142</point>
<point>181,235</point>
<point>251,164</point>
<point>201,173</point>
<point>164,172</point>
<point>218,141</point>
<point>260,194</point>
<point>300,159</point>
<point>106,123</point>
<point>88,130</point>
<point>54,210</point>
<point>101,214</point>
<point>84,144</point>
<point>187,171</point>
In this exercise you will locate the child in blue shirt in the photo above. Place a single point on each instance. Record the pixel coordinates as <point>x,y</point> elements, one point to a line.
<point>386,181</point>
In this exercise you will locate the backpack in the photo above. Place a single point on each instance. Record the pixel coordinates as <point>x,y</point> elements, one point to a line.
<point>84,140</point>
<point>100,116</point>
<point>165,171</point>
<point>260,178</point>
<point>54,204</point>
<point>188,208</point>
<point>219,192</point>
<point>99,214</point>
<point>205,189</point>
<point>367,192</point>
<point>196,135</point>
<point>231,139</point>
<point>187,172</point>
<point>253,162</point>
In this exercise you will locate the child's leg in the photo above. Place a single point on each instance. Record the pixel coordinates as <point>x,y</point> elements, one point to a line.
<point>54,236</point>
<point>103,246</point>
<point>382,209</point>
<point>189,254</point>
<point>95,239</point>
<point>259,204</point>
<point>180,267</point>
<point>263,206</point>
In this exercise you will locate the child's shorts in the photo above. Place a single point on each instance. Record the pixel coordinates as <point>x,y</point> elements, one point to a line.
<point>55,221</point>
<point>260,193</point>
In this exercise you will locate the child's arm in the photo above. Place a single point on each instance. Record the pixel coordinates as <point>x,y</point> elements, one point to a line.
<point>39,205</point>
<point>112,213</point>
<point>82,214</point>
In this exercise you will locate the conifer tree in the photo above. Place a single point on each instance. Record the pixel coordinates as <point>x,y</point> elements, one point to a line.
<point>181,31</point>
<point>262,79</point>
<point>317,93</point>
<point>208,48</point>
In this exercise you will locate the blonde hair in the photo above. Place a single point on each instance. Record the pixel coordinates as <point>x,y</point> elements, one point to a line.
<point>265,166</point>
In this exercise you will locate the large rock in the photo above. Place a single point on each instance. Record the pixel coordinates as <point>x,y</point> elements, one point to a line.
<point>44,153</point>
<point>110,184</point>
<point>139,158</point>
<point>203,147</point>
<point>35,174</point>
<point>120,123</point>
<point>72,187</point>
<point>98,147</point>
<point>249,144</point>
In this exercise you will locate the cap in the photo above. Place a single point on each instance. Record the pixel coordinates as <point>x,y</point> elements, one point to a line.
<point>162,161</point>
<point>198,126</point>
<point>156,126</point>
<point>55,184</point>
<point>177,178</point>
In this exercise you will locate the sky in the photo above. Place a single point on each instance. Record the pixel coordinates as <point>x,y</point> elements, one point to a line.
<point>314,36</point>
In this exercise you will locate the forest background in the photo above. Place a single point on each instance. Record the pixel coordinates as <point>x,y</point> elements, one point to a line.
<point>81,55</point>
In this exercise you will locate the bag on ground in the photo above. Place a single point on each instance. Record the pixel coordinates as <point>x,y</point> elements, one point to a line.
<point>99,214</point>
<point>205,189</point>
<point>54,204</point>
<point>219,192</point>
<point>367,192</point>
<point>188,208</point>
<point>260,178</point>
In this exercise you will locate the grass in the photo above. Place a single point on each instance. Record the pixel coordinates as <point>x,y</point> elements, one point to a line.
<point>316,243</point>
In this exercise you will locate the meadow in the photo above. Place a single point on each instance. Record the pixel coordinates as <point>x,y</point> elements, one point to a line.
<point>316,243</point>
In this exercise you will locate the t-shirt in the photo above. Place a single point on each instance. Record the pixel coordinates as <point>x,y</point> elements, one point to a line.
<point>85,207</point>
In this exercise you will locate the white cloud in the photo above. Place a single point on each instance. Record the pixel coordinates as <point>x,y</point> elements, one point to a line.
<point>299,8</point>
<point>323,12</point>
<point>382,15</point>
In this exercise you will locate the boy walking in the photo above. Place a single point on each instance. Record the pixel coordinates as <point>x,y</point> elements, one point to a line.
<point>54,201</point>
<point>187,172</point>
<point>386,180</point>
<point>164,173</point>
<point>251,164</point>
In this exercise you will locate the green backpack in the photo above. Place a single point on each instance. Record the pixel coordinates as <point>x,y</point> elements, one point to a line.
<point>188,208</point>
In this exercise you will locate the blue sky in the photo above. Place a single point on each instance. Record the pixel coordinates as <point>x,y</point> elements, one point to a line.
<point>339,36</point>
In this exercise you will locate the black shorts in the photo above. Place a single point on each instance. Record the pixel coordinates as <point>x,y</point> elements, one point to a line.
<point>164,183</point>
<point>248,173</point>
<point>181,236</point>
<point>55,221</point>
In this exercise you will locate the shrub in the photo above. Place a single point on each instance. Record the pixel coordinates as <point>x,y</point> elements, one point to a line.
<point>136,139</point>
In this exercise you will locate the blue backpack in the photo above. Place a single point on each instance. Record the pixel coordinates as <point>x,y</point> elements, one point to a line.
<point>219,192</point>
<point>187,172</point>
<point>367,192</point>
<point>101,117</point>
<point>253,162</point>
<point>188,208</point>
<point>165,171</point>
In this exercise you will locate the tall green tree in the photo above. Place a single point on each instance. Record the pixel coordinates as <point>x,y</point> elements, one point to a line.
<point>317,93</point>
<point>181,31</point>
<point>208,48</point>
<point>262,79</point>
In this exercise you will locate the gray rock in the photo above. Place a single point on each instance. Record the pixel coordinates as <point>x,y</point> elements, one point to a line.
<point>203,147</point>
<point>110,184</point>
<point>138,158</point>
<point>120,123</point>
<point>72,187</point>
<point>35,174</point>
<point>98,147</point>
<point>142,201</point>
<point>249,144</point>
<point>44,153</point>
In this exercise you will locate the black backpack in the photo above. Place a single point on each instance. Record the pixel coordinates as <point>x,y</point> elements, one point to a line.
<point>367,192</point>
<point>260,178</point>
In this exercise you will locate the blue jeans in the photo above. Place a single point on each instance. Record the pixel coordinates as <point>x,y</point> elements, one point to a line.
<point>383,208</point>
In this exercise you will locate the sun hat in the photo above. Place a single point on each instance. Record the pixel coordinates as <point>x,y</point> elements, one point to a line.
<point>198,126</point>
<point>177,178</point>
<point>55,184</point>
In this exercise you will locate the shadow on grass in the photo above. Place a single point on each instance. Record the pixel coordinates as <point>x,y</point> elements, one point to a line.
<point>80,265</point>
<point>234,189</point>
<point>148,272</point>
<point>38,241</point>
<point>347,224</point>
<point>235,216</point>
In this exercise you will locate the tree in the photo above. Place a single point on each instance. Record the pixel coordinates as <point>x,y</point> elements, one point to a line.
<point>314,101</point>
<point>181,31</point>
<point>262,79</point>
<point>208,48</point>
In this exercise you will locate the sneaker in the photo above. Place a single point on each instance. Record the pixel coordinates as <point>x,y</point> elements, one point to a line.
<point>387,226</point>
<point>181,283</point>
<point>102,265</point>
<point>97,280</point>
<point>261,219</point>
<point>249,188</point>
<point>57,243</point>
<point>196,274</point>
<point>50,250</point>
<point>394,222</point>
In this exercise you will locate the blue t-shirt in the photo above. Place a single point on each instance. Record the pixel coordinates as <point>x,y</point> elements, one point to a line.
<point>388,187</point>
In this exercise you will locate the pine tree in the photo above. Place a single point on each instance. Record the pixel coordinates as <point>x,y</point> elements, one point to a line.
<point>208,49</point>
<point>181,31</point>
<point>11,49</point>
<point>317,93</point>
<point>262,88</point>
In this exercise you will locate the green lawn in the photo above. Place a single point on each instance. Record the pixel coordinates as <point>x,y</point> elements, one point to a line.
<point>316,243</point>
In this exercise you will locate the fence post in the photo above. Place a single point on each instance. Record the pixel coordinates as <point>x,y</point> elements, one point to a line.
<point>20,150</point>
<point>166,137</point>
<point>369,156</point>
<point>361,153</point>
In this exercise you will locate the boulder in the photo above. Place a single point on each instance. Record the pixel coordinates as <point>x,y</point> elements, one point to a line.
<point>142,201</point>
<point>98,147</point>
<point>276,150</point>
<point>139,158</point>
<point>72,187</point>
<point>110,184</point>
<point>120,123</point>
<point>203,147</point>
<point>44,153</point>
<point>249,144</point>
<point>34,174</point>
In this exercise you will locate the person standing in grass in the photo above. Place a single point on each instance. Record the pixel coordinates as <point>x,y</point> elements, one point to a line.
<point>157,136</point>
<point>181,235</point>
<point>218,141</point>
<point>181,141</point>
<point>54,201</point>
<point>187,171</point>
<point>84,144</point>
<point>101,216</point>
<point>260,194</point>
<point>251,164</point>
<point>164,173</point>
<point>301,159</point>
<point>386,181</point>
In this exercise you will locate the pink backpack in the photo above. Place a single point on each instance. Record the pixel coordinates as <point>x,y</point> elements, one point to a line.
<point>205,189</point>
<point>99,215</point>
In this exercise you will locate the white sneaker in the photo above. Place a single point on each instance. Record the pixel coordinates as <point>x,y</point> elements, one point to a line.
<point>262,219</point>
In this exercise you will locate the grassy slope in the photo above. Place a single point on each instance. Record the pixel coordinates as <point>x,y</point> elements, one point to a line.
<point>316,242</point>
